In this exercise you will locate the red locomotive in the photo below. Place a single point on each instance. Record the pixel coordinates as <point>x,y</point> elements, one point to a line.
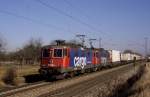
<point>67,59</point>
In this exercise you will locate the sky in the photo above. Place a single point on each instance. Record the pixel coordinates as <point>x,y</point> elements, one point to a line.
<point>121,24</point>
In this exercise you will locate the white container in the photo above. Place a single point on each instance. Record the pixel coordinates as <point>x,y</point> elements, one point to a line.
<point>126,56</point>
<point>115,56</point>
<point>130,56</point>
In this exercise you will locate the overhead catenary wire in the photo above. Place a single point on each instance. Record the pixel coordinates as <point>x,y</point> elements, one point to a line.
<point>72,6</point>
<point>80,12</point>
<point>68,15</point>
<point>31,20</point>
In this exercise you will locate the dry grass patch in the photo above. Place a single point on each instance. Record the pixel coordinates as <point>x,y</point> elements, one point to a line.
<point>27,70</point>
<point>2,73</point>
<point>9,76</point>
<point>13,75</point>
<point>142,87</point>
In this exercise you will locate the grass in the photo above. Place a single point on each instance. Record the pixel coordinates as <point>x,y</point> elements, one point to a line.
<point>11,73</point>
<point>142,87</point>
<point>27,70</point>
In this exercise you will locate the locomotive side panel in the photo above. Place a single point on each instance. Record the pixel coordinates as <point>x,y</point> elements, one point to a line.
<point>78,58</point>
<point>104,57</point>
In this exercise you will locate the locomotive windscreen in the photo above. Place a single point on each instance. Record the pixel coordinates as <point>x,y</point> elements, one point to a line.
<point>46,53</point>
<point>57,52</point>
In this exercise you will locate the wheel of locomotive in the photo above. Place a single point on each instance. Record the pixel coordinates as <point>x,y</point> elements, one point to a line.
<point>82,71</point>
<point>72,74</point>
<point>87,70</point>
<point>99,68</point>
<point>65,75</point>
<point>92,69</point>
<point>50,77</point>
<point>95,69</point>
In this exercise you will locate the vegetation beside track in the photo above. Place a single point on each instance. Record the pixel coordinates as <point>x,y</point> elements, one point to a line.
<point>121,86</point>
<point>142,87</point>
<point>10,75</point>
<point>14,75</point>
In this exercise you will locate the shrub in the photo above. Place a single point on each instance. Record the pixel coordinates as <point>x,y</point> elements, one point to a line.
<point>10,76</point>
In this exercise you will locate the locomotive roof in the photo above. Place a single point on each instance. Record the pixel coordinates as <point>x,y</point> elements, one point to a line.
<point>71,46</point>
<point>62,46</point>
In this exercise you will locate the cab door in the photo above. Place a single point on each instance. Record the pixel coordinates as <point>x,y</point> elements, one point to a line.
<point>46,55</point>
<point>94,58</point>
<point>66,58</point>
<point>97,57</point>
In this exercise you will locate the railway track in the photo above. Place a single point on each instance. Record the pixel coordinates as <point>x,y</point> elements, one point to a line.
<point>85,86</point>
<point>23,88</point>
<point>66,87</point>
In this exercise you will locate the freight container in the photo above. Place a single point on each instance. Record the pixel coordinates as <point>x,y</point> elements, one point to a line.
<point>130,56</point>
<point>126,56</point>
<point>115,56</point>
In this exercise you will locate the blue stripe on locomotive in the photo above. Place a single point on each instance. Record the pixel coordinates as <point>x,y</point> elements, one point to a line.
<point>72,55</point>
<point>89,56</point>
<point>79,51</point>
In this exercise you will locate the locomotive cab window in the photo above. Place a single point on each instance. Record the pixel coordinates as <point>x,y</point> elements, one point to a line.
<point>45,53</point>
<point>57,52</point>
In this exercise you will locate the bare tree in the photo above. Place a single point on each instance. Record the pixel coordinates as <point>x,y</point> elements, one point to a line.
<point>2,49</point>
<point>30,53</point>
<point>1,45</point>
